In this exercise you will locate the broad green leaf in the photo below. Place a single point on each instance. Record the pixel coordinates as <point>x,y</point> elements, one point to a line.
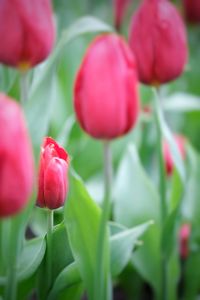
<point>122,244</point>
<point>181,102</point>
<point>136,201</point>
<point>7,78</point>
<point>30,258</point>
<point>169,234</point>
<point>14,228</point>
<point>38,108</point>
<point>61,257</point>
<point>191,277</point>
<point>191,207</point>
<point>82,219</point>
<point>67,278</point>
<point>87,24</point>
<point>167,134</point>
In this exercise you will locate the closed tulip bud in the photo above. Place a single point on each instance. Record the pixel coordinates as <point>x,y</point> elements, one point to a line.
<point>105,94</point>
<point>16,160</point>
<point>169,164</point>
<point>53,183</point>
<point>192,10</point>
<point>26,32</point>
<point>120,7</point>
<point>184,236</point>
<point>158,39</point>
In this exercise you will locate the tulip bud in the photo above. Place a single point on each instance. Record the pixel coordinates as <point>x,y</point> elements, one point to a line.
<point>169,164</point>
<point>26,32</point>
<point>53,184</point>
<point>16,160</point>
<point>192,10</point>
<point>158,39</point>
<point>184,236</point>
<point>105,94</point>
<point>120,7</point>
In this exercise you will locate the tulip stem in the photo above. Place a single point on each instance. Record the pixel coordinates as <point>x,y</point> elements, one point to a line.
<point>162,191</point>
<point>50,219</point>
<point>103,285</point>
<point>11,283</point>
<point>24,85</point>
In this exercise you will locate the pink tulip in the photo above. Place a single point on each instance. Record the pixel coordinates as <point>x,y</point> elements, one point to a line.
<point>53,183</point>
<point>184,236</point>
<point>158,39</point>
<point>16,160</point>
<point>106,89</point>
<point>192,10</point>
<point>26,32</point>
<point>169,164</point>
<point>119,8</point>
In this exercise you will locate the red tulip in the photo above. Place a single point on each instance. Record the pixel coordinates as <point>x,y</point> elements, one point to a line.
<point>158,40</point>
<point>192,10</point>
<point>26,32</point>
<point>106,97</point>
<point>169,164</point>
<point>184,236</point>
<point>53,184</point>
<point>120,7</point>
<point>16,160</point>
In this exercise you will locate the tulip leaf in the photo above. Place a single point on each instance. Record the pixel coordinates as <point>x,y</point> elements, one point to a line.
<point>136,201</point>
<point>122,244</point>
<point>87,24</point>
<point>7,78</point>
<point>181,102</point>
<point>61,257</point>
<point>167,134</point>
<point>169,234</point>
<point>82,219</point>
<point>30,258</point>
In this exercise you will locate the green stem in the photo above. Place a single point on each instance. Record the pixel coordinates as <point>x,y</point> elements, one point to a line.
<point>103,289</point>
<point>11,255</point>
<point>24,86</point>
<point>50,219</point>
<point>162,191</point>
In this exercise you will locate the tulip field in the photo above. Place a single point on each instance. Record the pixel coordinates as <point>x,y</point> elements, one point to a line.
<point>100,150</point>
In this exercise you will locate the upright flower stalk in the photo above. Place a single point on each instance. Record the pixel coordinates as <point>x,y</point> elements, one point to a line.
<point>103,244</point>
<point>162,189</point>
<point>24,86</point>
<point>50,224</point>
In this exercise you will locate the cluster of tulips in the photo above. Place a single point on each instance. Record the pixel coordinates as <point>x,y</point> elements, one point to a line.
<point>106,104</point>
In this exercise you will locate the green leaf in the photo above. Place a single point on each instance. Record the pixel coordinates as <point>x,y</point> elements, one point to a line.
<point>82,26</point>
<point>191,277</point>
<point>169,233</point>
<point>178,161</point>
<point>61,257</point>
<point>82,219</point>
<point>67,278</point>
<point>7,78</point>
<point>39,107</point>
<point>122,245</point>
<point>181,102</point>
<point>30,258</point>
<point>136,201</point>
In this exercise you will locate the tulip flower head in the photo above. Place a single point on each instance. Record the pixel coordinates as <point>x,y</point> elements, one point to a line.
<point>192,10</point>
<point>16,159</point>
<point>158,39</point>
<point>184,236</point>
<point>169,164</point>
<point>53,183</point>
<point>105,94</point>
<point>26,32</point>
<point>120,7</point>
